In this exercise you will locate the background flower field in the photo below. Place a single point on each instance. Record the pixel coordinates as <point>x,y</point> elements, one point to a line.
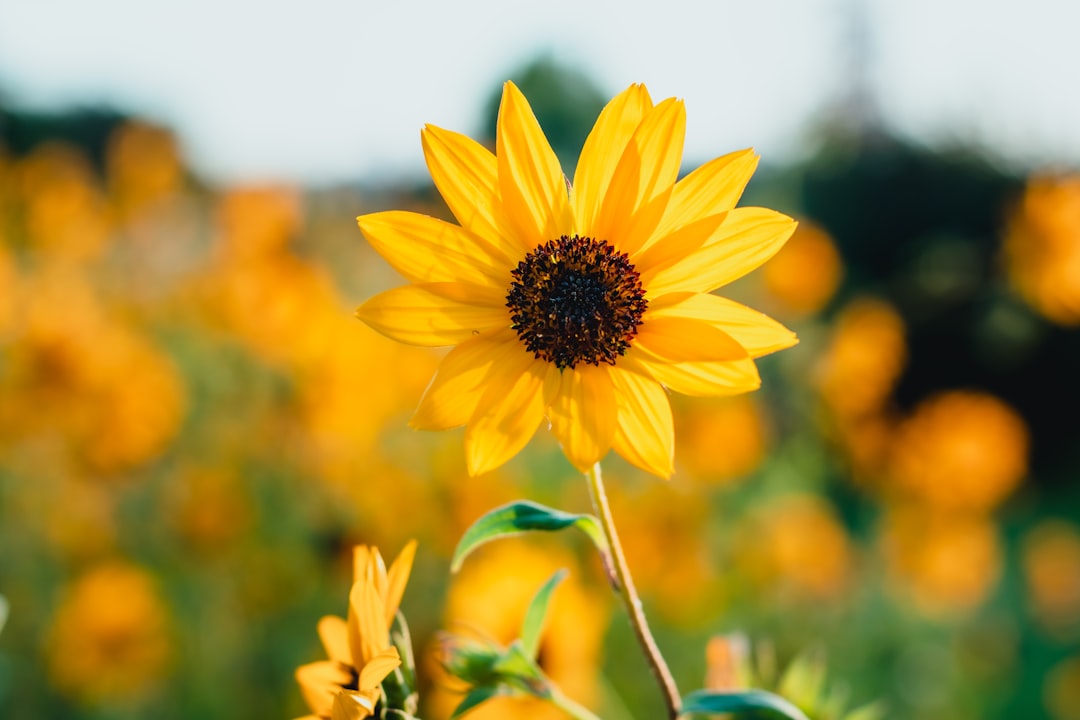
<point>195,431</point>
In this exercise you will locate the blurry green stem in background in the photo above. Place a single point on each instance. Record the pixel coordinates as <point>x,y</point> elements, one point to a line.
<point>630,597</point>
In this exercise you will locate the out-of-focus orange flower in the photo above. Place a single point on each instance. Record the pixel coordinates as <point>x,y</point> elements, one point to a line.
<point>1061,690</point>
<point>110,639</point>
<point>1042,247</point>
<point>864,359</point>
<point>1051,563</point>
<point>280,307</point>
<point>143,166</point>
<point>209,506</point>
<point>961,451</point>
<point>489,598</point>
<point>258,222</point>
<point>662,528</point>
<point>806,273</point>
<point>8,288</point>
<point>66,217</point>
<point>721,440</point>
<point>727,658</point>
<point>796,547</point>
<point>341,431</point>
<point>115,398</point>
<point>946,563</point>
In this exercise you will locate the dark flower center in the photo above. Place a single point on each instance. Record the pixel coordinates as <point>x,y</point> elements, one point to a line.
<point>576,300</point>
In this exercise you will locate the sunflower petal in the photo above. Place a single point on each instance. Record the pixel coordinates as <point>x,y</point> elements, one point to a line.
<point>645,435</point>
<point>350,705</point>
<point>467,176</point>
<point>368,633</point>
<point>434,314</point>
<point>458,385</point>
<point>682,339</point>
<point>639,190</point>
<point>746,239</point>
<point>378,667</point>
<point>756,332</point>
<point>397,579</point>
<point>334,633</point>
<point>677,245</point>
<point>711,189</point>
<point>509,411</point>
<point>426,249</point>
<point>602,150</point>
<point>531,181</point>
<point>701,378</point>
<point>319,682</point>
<point>582,414</point>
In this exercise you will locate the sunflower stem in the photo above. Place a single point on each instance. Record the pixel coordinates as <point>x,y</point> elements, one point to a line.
<point>570,707</point>
<point>630,597</point>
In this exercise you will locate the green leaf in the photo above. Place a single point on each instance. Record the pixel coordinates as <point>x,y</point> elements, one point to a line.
<point>871,711</point>
<point>475,697</point>
<point>3,612</point>
<point>521,516</point>
<point>537,612</point>
<point>516,666</point>
<point>804,679</point>
<point>707,701</point>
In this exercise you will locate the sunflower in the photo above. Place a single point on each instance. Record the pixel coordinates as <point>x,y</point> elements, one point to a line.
<point>347,686</point>
<point>582,302</point>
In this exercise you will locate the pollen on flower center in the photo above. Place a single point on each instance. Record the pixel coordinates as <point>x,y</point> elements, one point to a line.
<point>576,300</point>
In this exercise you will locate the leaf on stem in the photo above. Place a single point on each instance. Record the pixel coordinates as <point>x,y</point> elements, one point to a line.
<point>522,516</point>
<point>708,701</point>
<point>535,616</point>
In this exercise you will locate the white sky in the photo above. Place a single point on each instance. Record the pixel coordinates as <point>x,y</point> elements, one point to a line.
<point>328,90</point>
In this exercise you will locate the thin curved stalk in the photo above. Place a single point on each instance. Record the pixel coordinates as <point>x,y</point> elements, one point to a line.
<point>630,597</point>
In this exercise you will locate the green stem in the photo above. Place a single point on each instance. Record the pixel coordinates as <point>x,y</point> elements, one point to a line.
<point>570,707</point>
<point>630,597</point>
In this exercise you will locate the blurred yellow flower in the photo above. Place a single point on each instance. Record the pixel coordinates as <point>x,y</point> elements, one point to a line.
<point>960,450</point>
<point>258,222</point>
<point>64,210</point>
<point>1051,564</point>
<point>864,359</point>
<point>721,440</point>
<point>1061,690</point>
<point>361,656</point>
<point>75,368</point>
<point>580,303</point>
<point>487,600</point>
<point>110,638</point>
<point>806,273</point>
<point>796,547</point>
<point>654,520</point>
<point>946,563</point>
<point>143,166</point>
<point>1042,247</point>
<point>9,279</point>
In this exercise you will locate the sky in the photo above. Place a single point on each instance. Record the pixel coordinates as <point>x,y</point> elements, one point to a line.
<point>333,90</point>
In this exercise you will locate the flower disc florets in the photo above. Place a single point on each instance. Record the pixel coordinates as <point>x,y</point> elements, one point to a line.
<point>576,300</point>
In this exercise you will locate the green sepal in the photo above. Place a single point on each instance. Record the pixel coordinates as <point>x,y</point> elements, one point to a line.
<point>475,697</point>
<point>399,686</point>
<point>533,626</point>
<point>709,701</point>
<point>870,711</point>
<point>522,516</point>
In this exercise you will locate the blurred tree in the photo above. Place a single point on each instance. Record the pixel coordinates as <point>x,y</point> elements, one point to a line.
<point>86,128</point>
<point>566,102</point>
<point>923,228</point>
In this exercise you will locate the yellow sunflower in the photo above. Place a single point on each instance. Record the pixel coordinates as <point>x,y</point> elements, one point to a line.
<point>581,301</point>
<point>347,686</point>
